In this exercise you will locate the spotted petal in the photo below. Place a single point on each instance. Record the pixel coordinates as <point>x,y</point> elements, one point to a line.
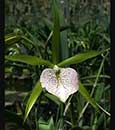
<point>63,85</point>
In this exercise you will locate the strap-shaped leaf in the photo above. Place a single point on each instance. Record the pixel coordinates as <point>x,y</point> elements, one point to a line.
<point>87,96</point>
<point>33,97</point>
<point>79,58</point>
<point>56,34</point>
<point>32,60</point>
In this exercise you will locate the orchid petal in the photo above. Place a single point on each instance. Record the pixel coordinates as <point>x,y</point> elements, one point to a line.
<point>62,85</point>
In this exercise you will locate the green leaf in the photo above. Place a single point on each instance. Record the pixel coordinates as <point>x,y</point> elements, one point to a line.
<point>33,97</point>
<point>87,96</point>
<point>79,58</point>
<point>56,34</point>
<point>49,125</point>
<point>32,60</point>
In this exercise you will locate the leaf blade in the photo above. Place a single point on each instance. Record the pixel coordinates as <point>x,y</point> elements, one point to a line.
<point>33,97</point>
<point>78,58</point>
<point>32,60</point>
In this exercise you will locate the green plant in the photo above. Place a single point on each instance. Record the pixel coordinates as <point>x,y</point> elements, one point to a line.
<point>34,61</point>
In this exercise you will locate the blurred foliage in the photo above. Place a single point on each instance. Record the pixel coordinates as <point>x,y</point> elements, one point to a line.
<point>28,26</point>
<point>30,13</point>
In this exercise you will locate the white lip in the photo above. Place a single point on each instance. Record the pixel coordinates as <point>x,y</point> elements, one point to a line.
<point>64,86</point>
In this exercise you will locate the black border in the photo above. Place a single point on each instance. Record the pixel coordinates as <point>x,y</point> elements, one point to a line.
<point>2,3</point>
<point>112,58</point>
<point>112,37</point>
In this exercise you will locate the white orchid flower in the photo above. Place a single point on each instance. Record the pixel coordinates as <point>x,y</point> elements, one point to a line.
<point>61,82</point>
